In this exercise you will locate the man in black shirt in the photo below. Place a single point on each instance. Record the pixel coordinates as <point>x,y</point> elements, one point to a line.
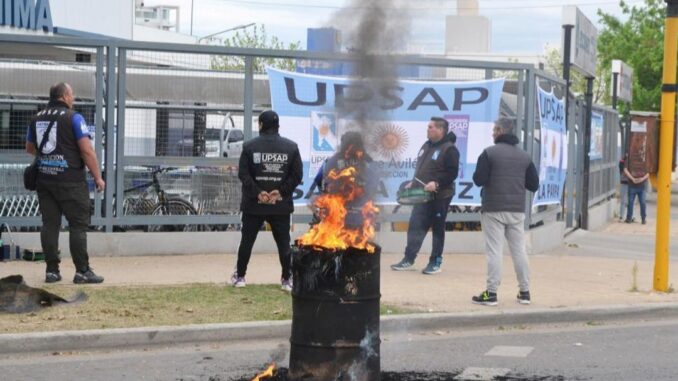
<point>270,169</point>
<point>62,187</point>
<point>437,168</point>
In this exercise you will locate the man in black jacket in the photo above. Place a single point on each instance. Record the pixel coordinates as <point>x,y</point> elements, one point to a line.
<point>437,168</point>
<point>270,169</point>
<point>504,171</point>
<point>63,139</point>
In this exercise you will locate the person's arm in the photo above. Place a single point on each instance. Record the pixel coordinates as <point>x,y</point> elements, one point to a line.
<point>628,174</point>
<point>82,136</point>
<point>294,176</point>
<point>251,187</point>
<point>30,142</point>
<point>482,174</point>
<point>451,168</point>
<point>318,180</point>
<point>30,148</point>
<point>531,178</point>
<point>90,159</point>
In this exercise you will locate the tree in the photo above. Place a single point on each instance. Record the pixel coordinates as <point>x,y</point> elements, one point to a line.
<point>639,42</point>
<point>257,38</point>
<point>554,65</point>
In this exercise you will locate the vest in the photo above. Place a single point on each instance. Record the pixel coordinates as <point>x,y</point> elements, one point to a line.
<point>60,158</point>
<point>505,191</point>
<point>431,165</point>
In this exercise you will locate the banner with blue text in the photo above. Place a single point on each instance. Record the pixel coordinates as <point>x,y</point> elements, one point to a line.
<point>310,113</point>
<point>553,158</point>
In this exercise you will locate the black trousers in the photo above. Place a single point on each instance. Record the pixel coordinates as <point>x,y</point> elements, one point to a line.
<point>70,200</point>
<point>429,215</point>
<point>280,226</point>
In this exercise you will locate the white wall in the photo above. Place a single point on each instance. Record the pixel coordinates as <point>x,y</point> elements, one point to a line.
<point>467,34</point>
<point>144,33</point>
<point>110,17</point>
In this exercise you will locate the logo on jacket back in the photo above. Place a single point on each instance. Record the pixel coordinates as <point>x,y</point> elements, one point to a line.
<point>269,157</point>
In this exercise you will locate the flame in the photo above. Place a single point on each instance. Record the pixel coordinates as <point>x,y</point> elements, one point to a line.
<point>331,232</point>
<point>265,374</point>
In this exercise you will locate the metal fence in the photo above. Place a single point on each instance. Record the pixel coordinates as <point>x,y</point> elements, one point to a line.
<point>154,105</point>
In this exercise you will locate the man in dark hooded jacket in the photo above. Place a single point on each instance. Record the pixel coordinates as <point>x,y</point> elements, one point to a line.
<point>437,168</point>
<point>270,170</point>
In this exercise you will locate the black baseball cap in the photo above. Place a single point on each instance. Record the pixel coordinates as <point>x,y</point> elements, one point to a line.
<point>269,119</point>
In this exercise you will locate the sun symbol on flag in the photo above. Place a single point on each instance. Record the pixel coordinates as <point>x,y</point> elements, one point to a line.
<point>389,141</point>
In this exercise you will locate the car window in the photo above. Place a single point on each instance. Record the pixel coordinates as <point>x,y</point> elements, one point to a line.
<point>213,134</point>
<point>235,136</point>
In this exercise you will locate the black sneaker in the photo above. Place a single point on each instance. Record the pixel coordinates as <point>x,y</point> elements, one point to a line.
<point>523,297</point>
<point>87,277</point>
<point>486,298</point>
<point>52,277</point>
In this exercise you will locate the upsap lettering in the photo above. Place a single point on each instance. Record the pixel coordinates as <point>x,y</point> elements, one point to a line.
<point>465,189</point>
<point>390,96</point>
<point>551,109</point>
<point>458,123</point>
<point>27,14</point>
<point>273,157</point>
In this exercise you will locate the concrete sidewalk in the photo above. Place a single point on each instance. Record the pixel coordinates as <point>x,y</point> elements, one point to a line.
<point>568,277</point>
<point>587,278</point>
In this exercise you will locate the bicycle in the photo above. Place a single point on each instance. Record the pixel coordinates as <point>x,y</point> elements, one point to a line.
<point>162,205</point>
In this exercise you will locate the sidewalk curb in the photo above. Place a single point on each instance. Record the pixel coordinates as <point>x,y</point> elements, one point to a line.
<point>108,339</point>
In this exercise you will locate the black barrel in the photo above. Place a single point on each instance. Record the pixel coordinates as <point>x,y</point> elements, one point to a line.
<point>335,315</point>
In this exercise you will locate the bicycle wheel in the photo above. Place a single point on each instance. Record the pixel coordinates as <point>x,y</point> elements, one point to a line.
<point>175,207</point>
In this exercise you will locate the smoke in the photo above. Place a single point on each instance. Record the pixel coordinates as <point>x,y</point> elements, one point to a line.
<point>372,30</point>
<point>359,370</point>
<point>279,354</point>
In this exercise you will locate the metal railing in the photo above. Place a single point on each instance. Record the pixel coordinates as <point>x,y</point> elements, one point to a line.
<point>146,115</point>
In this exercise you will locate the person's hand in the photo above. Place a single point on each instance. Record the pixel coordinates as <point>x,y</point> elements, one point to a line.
<point>100,184</point>
<point>264,197</point>
<point>408,185</point>
<point>274,196</point>
<point>431,186</point>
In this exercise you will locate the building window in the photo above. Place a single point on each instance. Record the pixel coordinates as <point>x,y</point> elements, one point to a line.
<point>83,57</point>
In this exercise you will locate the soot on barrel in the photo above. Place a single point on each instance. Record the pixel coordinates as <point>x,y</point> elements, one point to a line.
<point>335,322</point>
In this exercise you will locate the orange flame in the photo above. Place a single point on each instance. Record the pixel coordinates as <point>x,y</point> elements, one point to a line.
<point>331,232</point>
<point>265,374</point>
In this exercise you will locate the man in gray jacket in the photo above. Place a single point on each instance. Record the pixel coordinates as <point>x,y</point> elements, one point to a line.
<point>504,171</point>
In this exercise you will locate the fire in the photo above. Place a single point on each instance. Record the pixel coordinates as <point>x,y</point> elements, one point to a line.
<point>265,374</point>
<point>331,232</point>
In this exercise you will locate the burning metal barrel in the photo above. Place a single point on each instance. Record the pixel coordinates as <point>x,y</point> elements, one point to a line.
<point>335,322</point>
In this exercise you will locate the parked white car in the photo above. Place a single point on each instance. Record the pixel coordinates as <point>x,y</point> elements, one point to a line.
<point>231,145</point>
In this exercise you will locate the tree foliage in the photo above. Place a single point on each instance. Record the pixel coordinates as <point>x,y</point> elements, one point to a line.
<point>638,41</point>
<point>554,65</point>
<point>255,37</point>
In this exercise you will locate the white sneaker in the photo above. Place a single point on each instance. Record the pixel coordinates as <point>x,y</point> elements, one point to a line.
<point>286,285</point>
<point>237,281</point>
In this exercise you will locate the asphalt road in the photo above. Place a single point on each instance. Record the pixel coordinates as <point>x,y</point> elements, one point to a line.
<point>588,351</point>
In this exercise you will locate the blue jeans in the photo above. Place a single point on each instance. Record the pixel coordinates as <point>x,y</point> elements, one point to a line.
<point>623,199</point>
<point>636,190</point>
<point>429,215</point>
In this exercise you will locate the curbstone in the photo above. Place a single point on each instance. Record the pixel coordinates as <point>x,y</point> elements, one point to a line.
<point>106,339</point>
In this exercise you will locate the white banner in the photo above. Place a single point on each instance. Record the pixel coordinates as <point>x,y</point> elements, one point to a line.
<point>308,104</point>
<point>553,158</point>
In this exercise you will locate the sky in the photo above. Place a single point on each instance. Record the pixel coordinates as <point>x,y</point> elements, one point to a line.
<point>518,26</point>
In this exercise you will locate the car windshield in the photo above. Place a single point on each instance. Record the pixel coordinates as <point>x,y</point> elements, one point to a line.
<point>213,134</point>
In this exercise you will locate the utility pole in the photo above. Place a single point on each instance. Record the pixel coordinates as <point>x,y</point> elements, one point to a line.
<point>584,223</point>
<point>666,149</point>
